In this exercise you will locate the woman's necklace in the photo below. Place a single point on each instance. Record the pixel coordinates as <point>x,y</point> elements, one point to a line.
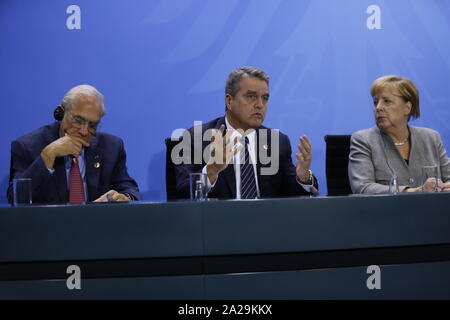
<point>397,144</point>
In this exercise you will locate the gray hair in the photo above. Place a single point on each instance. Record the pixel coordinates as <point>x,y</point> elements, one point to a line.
<point>232,86</point>
<point>82,90</point>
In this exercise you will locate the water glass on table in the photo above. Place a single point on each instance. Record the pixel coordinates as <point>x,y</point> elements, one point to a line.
<point>197,182</point>
<point>22,191</point>
<point>430,179</point>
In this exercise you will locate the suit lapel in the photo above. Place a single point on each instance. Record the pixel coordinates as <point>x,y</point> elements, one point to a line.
<point>259,143</point>
<point>93,159</point>
<point>230,178</point>
<point>417,153</point>
<point>258,162</point>
<point>61,180</point>
<point>417,148</point>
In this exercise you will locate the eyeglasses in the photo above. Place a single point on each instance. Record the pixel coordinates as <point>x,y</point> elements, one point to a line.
<point>79,122</point>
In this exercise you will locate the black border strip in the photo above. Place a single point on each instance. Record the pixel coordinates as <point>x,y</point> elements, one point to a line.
<point>178,266</point>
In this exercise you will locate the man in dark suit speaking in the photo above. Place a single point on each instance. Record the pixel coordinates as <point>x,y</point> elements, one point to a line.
<point>241,158</point>
<point>69,161</point>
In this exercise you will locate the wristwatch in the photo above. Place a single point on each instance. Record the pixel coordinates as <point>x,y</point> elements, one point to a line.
<point>310,178</point>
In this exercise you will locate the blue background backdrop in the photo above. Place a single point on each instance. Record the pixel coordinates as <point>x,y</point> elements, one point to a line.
<point>162,64</point>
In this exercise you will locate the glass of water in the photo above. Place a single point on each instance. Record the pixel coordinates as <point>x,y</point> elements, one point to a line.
<point>22,191</point>
<point>197,182</point>
<point>430,179</point>
<point>393,185</point>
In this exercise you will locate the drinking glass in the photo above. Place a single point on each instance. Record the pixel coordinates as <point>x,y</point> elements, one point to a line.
<point>430,179</point>
<point>393,185</point>
<point>22,191</point>
<point>197,182</point>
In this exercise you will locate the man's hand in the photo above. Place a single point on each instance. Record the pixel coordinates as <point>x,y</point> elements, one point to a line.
<point>221,153</point>
<point>304,156</point>
<point>112,196</point>
<point>67,145</point>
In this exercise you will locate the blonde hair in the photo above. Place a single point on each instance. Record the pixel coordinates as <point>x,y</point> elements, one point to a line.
<point>399,86</point>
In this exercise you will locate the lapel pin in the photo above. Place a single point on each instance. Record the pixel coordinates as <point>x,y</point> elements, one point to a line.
<point>97,165</point>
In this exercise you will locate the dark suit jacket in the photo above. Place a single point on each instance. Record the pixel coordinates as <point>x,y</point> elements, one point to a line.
<point>105,149</point>
<point>281,184</point>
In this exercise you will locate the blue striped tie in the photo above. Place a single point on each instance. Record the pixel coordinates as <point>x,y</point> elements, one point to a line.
<point>248,182</point>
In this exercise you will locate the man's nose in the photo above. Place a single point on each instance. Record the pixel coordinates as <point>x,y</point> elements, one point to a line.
<point>259,103</point>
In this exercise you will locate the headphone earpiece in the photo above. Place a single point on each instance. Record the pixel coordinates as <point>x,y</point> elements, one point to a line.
<point>58,114</point>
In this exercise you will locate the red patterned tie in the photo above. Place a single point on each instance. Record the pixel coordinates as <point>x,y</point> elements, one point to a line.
<point>76,189</point>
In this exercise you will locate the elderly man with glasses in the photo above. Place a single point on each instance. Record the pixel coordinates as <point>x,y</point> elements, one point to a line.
<point>69,161</point>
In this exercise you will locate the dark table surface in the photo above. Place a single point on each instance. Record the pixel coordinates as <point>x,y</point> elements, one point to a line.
<point>144,239</point>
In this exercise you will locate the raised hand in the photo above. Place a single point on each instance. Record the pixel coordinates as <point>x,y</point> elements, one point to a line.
<point>304,156</point>
<point>222,151</point>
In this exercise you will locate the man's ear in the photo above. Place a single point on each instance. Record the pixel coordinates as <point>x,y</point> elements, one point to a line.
<point>228,99</point>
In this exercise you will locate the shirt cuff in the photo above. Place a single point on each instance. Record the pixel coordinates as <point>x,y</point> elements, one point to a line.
<point>129,196</point>
<point>209,185</point>
<point>308,187</point>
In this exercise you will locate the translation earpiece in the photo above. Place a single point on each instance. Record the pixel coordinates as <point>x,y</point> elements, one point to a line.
<point>58,114</point>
